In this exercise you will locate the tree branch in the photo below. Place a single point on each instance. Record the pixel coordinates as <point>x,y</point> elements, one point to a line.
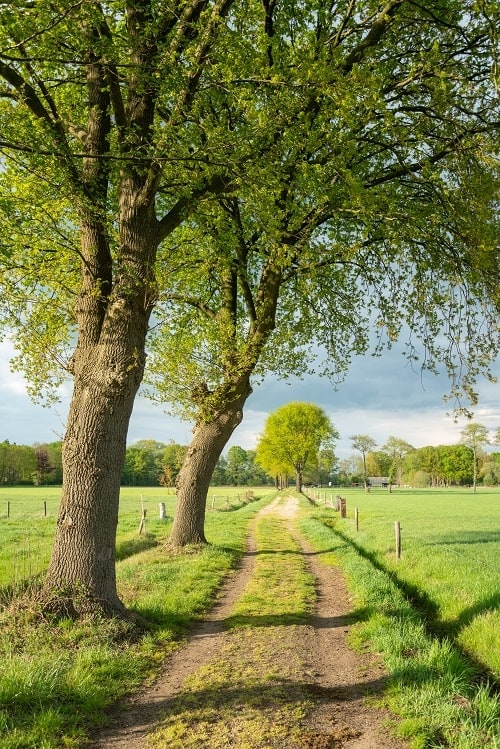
<point>215,186</point>
<point>418,166</point>
<point>374,35</point>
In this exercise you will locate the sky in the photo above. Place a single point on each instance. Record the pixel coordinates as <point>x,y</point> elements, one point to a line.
<point>380,397</point>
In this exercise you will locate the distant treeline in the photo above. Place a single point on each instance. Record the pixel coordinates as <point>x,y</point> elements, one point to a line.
<point>152,463</point>
<point>38,464</point>
<point>147,463</point>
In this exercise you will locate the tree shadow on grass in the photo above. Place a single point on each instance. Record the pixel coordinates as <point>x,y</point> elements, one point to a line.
<point>419,599</point>
<point>131,546</point>
<point>274,700</point>
<point>467,616</point>
<point>428,610</point>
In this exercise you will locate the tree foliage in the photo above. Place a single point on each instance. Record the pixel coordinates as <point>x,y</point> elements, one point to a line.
<point>475,436</point>
<point>368,208</point>
<point>104,154</point>
<point>292,439</point>
<point>333,171</point>
<point>364,443</point>
<point>372,207</point>
<point>439,465</point>
<point>397,449</point>
<point>24,464</point>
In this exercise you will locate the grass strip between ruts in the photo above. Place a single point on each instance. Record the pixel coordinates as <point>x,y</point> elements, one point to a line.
<point>241,697</point>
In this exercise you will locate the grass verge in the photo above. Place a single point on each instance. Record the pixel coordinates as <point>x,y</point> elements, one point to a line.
<point>439,695</point>
<point>58,677</point>
<point>449,562</point>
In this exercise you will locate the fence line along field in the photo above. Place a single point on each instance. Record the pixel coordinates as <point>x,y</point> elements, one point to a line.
<point>28,516</point>
<point>450,556</point>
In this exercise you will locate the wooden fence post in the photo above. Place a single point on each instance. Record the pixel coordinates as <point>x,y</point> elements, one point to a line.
<point>356,518</point>
<point>343,507</point>
<point>142,524</point>
<point>397,531</point>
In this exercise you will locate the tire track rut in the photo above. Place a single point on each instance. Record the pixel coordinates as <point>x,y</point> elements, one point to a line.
<point>337,679</point>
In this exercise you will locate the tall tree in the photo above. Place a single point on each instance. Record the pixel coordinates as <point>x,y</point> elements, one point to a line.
<point>475,436</point>
<point>364,443</point>
<point>43,466</point>
<point>103,156</point>
<point>397,449</point>
<point>356,167</point>
<point>237,466</point>
<point>423,460</point>
<point>455,464</point>
<point>368,204</point>
<point>293,437</point>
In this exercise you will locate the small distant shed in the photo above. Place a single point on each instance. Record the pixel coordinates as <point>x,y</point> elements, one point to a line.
<point>378,481</point>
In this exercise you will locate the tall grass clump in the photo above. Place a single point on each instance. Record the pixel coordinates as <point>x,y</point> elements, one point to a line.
<point>433,687</point>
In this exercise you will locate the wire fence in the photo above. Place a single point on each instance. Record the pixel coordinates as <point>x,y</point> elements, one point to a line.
<point>403,539</point>
<point>18,509</point>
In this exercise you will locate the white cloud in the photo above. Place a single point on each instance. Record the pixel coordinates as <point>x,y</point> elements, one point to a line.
<point>11,382</point>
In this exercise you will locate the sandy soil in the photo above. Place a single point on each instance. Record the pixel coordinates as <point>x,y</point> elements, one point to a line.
<point>338,678</point>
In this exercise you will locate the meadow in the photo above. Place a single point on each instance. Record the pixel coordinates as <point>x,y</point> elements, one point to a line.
<point>433,613</point>
<point>28,516</point>
<point>449,566</point>
<point>57,677</point>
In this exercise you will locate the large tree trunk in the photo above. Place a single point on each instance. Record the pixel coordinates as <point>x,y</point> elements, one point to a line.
<point>81,575</point>
<point>210,438</point>
<point>298,480</point>
<point>108,366</point>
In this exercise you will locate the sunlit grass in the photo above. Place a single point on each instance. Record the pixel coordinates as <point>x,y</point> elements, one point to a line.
<point>281,590</point>
<point>449,562</point>
<point>433,686</point>
<point>58,677</point>
<point>242,698</point>
<point>26,536</point>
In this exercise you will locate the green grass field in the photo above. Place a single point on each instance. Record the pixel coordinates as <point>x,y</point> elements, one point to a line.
<point>57,677</point>
<point>449,566</point>
<point>450,559</point>
<point>28,516</point>
<point>421,612</point>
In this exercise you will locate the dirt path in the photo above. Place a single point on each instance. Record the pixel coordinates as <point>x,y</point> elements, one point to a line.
<point>336,679</point>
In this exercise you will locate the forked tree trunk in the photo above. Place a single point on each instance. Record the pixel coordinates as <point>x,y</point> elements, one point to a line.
<point>108,367</point>
<point>209,440</point>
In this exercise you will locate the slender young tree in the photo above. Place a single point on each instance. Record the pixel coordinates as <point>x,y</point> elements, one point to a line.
<point>397,449</point>
<point>475,436</point>
<point>292,439</point>
<point>364,444</point>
